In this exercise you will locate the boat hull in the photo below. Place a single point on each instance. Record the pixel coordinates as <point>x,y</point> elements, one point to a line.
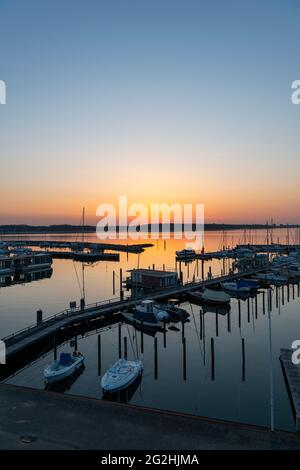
<point>109,387</point>
<point>56,376</point>
<point>130,317</point>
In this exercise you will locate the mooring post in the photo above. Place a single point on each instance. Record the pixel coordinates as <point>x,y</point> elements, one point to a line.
<point>39,316</point>
<point>165,334</point>
<point>142,336</point>
<point>255,303</point>
<point>99,354</point>
<point>293,291</point>
<point>75,343</point>
<point>121,285</point>
<point>239,306</point>
<point>270,300</point>
<point>282,291</point>
<point>276,290</point>
<point>288,291</point>
<point>228,322</point>
<point>298,289</point>
<point>182,329</point>
<point>248,309</point>
<point>125,347</point>
<point>201,323</point>
<point>155,359</point>
<point>202,269</point>
<point>217,322</point>
<point>54,347</point>
<point>120,341</point>
<point>114,282</point>
<point>184,357</point>
<point>212,359</point>
<point>243,359</point>
<point>264,302</point>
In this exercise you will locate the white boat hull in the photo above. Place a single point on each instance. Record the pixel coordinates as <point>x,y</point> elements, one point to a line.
<point>129,317</point>
<point>52,376</point>
<point>121,375</point>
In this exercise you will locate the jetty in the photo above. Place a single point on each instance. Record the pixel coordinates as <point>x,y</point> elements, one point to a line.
<point>22,340</point>
<point>75,245</point>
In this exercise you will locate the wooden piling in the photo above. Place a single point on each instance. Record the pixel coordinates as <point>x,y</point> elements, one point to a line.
<point>228,322</point>
<point>99,354</point>
<point>248,309</point>
<point>142,337</point>
<point>125,347</point>
<point>255,305</point>
<point>155,359</point>
<point>120,340</point>
<point>212,347</point>
<point>54,347</point>
<point>184,357</point>
<point>243,359</point>
<point>201,323</point>
<point>39,316</point>
<point>121,285</point>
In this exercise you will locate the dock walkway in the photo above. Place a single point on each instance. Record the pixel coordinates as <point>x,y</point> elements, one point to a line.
<point>21,340</point>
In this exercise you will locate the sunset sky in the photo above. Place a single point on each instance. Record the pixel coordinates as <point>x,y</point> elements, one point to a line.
<point>160,100</point>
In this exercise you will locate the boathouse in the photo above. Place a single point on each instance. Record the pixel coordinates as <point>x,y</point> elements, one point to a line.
<point>153,278</point>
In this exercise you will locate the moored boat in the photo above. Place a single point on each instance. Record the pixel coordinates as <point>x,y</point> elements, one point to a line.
<point>148,313</point>
<point>121,375</point>
<point>211,296</point>
<point>64,367</point>
<point>235,286</point>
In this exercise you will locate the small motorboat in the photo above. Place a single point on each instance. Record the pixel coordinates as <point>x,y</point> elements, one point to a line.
<point>210,296</point>
<point>64,367</point>
<point>175,313</point>
<point>148,313</point>
<point>235,286</point>
<point>121,375</point>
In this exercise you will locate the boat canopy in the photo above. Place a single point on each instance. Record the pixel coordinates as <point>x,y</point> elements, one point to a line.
<point>65,359</point>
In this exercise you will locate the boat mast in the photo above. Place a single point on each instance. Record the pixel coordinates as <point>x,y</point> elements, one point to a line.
<point>83,214</point>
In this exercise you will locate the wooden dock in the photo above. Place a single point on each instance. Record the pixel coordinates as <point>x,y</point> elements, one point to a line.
<point>20,341</point>
<point>75,245</point>
<point>292,377</point>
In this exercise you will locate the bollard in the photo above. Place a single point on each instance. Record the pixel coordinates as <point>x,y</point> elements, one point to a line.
<point>39,316</point>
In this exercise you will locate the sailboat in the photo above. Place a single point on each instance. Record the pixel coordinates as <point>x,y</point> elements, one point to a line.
<point>91,256</point>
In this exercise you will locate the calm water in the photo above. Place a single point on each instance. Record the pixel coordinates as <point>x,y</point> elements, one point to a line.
<point>225,397</point>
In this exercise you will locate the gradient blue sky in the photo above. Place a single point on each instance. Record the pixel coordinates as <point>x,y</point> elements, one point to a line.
<point>163,101</point>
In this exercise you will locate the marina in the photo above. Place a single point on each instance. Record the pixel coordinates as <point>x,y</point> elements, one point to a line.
<point>209,322</point>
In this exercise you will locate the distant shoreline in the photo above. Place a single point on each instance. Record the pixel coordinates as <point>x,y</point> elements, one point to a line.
<point>67,228</point>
